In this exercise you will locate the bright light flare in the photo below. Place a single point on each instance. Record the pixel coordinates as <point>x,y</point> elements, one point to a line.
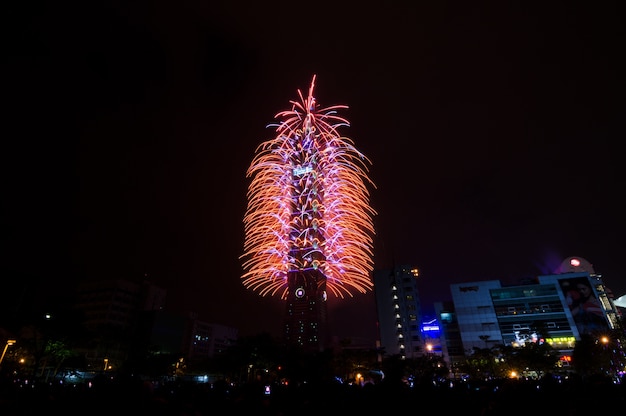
<point>308,205</point>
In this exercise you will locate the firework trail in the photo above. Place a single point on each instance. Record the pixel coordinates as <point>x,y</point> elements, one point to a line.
<point>308,205</point>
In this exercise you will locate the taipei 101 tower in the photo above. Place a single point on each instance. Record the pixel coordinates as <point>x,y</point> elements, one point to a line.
<point>308,224</point>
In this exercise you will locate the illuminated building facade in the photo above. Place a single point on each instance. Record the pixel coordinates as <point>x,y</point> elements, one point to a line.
<point>308,225</point>
<point>399,312</point>
<point>549,309</point>
<point>306,314</point>
<point>450,342</point>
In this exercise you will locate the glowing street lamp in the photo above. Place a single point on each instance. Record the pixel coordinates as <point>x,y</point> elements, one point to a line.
<point>9,342</point>
<point>430,351</point>
<point>359,378</point>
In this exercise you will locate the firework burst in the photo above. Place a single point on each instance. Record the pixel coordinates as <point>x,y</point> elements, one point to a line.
<point>308,205</point>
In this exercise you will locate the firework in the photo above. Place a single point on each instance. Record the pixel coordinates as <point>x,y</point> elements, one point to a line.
<point>308,205</point>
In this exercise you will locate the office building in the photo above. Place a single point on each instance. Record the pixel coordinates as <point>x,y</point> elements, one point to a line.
<point>399,312</point>
<point>558,309</point>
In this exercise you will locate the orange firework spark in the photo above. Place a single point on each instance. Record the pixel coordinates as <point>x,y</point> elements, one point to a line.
<point>308,205</point>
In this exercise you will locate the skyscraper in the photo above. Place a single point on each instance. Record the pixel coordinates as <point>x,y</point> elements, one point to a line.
<point>308,223</point>
<point>399,311</point>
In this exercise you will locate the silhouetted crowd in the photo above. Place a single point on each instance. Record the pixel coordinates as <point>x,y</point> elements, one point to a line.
<point>135,396</point>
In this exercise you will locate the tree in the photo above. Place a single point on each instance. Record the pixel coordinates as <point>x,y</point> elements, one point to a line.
<point>482,363</point>
<point>55,355</point>
<point>533,359</point>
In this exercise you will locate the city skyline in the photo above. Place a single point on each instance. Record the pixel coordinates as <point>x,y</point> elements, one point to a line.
<point>492,131</point>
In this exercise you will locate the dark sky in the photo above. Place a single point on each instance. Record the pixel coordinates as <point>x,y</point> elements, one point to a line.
<point>495,132</point>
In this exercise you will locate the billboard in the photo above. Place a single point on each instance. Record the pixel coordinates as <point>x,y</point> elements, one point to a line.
<point>584,305</point>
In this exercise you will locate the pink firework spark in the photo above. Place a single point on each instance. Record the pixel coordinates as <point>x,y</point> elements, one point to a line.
<point>308,205</point>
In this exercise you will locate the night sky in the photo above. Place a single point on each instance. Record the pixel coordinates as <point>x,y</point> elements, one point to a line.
<point>495,132</point>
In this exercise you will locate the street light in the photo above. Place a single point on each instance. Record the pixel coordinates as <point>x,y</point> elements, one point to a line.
<point>9,342</point>
<point>429,351</point>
